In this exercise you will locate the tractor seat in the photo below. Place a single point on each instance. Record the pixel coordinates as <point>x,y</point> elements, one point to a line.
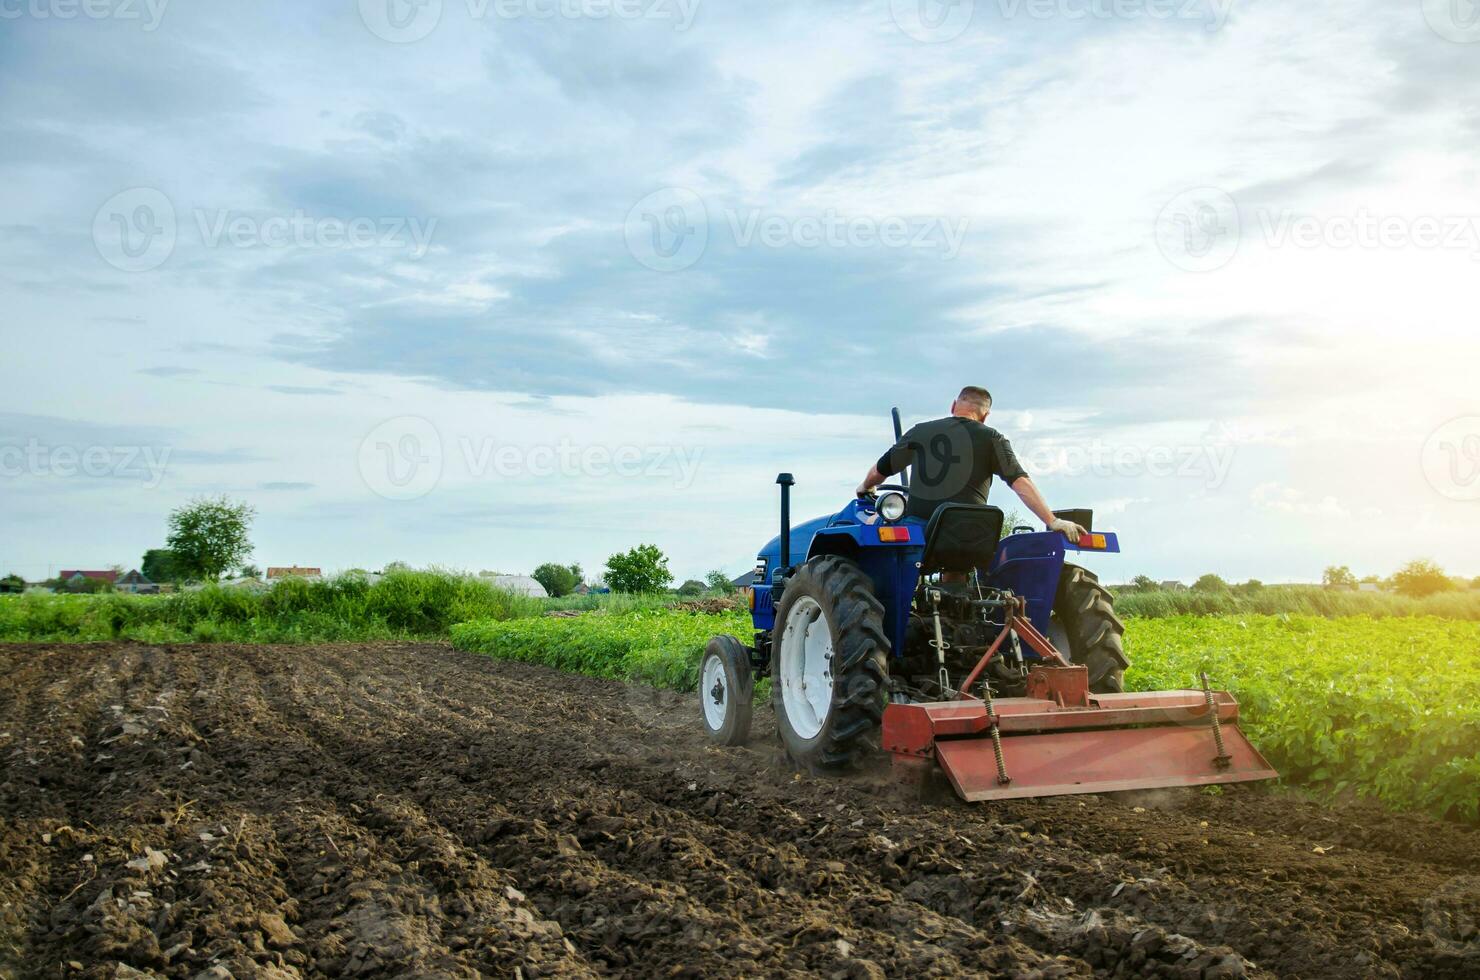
<point>961,537</point>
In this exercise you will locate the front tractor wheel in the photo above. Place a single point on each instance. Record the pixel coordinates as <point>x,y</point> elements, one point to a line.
<point>725,690</point>
<point>1085,629</point>
<point>830,664</point>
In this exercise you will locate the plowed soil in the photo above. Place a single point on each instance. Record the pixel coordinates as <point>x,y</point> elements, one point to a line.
<point>413,810</point>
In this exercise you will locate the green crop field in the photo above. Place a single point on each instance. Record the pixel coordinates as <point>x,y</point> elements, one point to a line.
<point>1387,708</point>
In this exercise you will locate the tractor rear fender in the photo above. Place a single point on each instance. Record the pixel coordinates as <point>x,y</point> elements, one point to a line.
<point>1030,565</point>
<point>892,565</point>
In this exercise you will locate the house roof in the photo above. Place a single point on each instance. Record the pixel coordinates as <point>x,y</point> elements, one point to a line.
<point>292,570</point>
<point>106,576</point>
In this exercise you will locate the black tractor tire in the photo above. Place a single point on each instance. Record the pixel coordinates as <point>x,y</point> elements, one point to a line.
<point>859,663</point>
<point>732,699</point>
<point>1084,620</point>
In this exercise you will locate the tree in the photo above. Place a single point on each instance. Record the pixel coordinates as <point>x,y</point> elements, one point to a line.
<point>718,581</point>
<point>1144,583</point>
<point>692,587</point>
<point>249,571</point>
<point>1252,587</point>
<point>643,569</point>
<point>210,535</point>
<point>1210,583</point>
<point>160,565</point>
<point>1421,578</point>
<point>12,583</point>
<point>558,580</point>
<point>1338,577</point>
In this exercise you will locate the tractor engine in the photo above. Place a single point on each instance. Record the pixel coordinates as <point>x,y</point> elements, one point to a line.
<point>969,623</point>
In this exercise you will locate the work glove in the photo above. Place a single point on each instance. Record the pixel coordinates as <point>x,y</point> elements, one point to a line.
<point>864,491</point>
<point>1068,529</point>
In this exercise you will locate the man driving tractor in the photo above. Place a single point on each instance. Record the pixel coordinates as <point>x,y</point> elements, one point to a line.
<point>955,459</point>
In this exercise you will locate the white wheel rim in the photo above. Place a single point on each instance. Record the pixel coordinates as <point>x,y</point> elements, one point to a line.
<point>712,680</point>
<point>805,672</point>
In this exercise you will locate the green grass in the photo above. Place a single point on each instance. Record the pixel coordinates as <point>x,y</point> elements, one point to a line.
<point>1295,600</point>
<point>403,604</point>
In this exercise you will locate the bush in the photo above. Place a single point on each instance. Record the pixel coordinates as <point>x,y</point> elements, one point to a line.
<point>1210,583</point>
<point>1421,578</point>
<point>558,580</point>
<point>692,587</point>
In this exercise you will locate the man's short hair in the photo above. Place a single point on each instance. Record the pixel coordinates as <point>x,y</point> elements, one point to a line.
<point>981,398</point>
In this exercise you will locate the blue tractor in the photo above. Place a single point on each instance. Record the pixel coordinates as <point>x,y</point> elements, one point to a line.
<point>869,642</point>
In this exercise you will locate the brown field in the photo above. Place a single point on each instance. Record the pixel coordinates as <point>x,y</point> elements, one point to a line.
<point>412,810</point>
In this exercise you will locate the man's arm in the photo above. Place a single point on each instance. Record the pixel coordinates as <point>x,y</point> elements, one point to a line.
<point>1027,490</point>
<point>873,479</point>
<point>892,462</point>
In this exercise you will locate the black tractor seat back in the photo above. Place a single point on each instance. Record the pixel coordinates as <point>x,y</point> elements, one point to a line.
<point>960,537</point>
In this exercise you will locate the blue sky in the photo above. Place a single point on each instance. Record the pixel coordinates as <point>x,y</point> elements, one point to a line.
<point>483,284</point>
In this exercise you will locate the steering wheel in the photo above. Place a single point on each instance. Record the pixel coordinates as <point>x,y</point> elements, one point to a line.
<point>874,493</point>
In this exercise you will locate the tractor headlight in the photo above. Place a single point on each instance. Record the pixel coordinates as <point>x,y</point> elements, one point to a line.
<point>891,506</point>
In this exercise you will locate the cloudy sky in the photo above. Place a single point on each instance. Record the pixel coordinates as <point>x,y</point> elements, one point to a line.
<point>483,283</point>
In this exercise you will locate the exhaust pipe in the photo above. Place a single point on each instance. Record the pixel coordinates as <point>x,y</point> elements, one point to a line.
<point>786,482</point>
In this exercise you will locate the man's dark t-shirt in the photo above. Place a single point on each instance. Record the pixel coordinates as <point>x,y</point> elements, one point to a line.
<point>954,460</point>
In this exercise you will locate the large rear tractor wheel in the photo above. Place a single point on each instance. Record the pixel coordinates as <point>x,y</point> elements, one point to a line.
<point>1085,629</point>
<point>725,691</point>
<point>829,664</point>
